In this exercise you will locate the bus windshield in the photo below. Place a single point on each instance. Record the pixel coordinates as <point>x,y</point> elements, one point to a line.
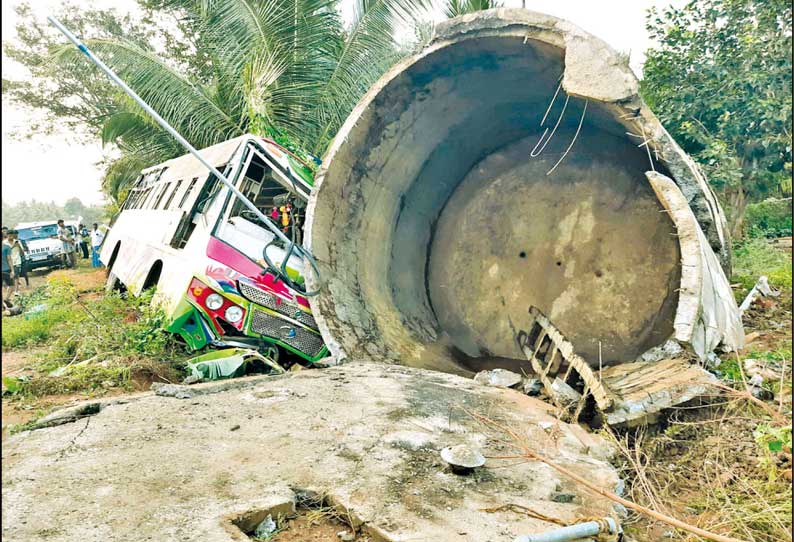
<point>38,232</point>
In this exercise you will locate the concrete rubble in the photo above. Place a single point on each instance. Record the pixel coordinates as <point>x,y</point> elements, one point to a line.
<point>500,378</point>
<point>366,434</point>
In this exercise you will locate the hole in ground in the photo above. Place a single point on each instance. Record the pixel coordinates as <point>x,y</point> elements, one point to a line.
<point>314,518</point>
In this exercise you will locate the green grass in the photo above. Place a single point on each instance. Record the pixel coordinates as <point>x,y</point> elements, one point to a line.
<point>755,257</point>
<point>29,331</point>
<point>102,341</point>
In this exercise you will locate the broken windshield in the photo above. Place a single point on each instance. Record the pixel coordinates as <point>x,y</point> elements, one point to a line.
<point>268,190</point>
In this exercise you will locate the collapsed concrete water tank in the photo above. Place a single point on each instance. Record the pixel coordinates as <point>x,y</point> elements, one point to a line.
<point>510,164</point>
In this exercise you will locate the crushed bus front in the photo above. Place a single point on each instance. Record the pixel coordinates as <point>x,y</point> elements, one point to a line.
<point>225,307</point>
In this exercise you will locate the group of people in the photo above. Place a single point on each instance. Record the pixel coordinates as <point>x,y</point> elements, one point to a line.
<point>71,245</point>
<point>14,259</point>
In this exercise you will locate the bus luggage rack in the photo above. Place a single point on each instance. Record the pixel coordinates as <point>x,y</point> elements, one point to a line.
<point>266,299</point>
<point>297,337</point>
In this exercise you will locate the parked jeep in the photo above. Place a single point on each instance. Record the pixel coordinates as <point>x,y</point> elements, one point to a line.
<point>43,247</point>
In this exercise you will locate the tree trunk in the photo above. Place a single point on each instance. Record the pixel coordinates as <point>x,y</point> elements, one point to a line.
<point>738,203</point>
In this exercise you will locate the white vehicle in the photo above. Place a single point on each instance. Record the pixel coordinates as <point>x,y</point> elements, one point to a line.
<point>43,249</point>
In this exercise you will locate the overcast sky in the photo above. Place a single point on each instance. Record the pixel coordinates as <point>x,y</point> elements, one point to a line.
<point>57,168</point>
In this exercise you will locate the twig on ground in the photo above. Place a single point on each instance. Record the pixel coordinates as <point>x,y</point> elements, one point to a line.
<point>745,394</point>
<point>519,509</point>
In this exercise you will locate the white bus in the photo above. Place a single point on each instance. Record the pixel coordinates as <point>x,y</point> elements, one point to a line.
<point>183,232</point>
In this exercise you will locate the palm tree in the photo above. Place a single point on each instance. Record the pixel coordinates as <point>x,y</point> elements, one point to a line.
<point>290,69</point>
<point>456,8</point>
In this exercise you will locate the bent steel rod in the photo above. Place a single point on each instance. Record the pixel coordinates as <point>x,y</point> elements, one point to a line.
<point>301,251</point>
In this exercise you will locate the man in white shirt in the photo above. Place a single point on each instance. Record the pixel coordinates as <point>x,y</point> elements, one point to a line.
<point>67,242</point>
<point>96,243</point>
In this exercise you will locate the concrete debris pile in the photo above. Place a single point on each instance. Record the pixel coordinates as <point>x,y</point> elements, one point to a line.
<point>512,164</point>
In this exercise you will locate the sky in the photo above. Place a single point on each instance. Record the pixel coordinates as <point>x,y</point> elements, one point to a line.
<point>56,167</point>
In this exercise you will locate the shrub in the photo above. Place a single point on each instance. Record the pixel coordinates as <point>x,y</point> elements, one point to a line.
<point>769,218</point>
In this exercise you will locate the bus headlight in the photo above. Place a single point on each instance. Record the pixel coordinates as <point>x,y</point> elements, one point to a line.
<point>214,302</point>
<point>234,314</point>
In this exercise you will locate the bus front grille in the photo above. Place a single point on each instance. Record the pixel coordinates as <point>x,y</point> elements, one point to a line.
<point>297,337</point>
<point>266,299</point>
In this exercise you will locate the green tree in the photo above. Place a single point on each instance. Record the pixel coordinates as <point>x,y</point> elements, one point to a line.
<point>74,207</point>
<point>456,8</point>
<point>290,69</point>
<point>720,81</point>
<point>33,210</point>
<point>79,99</point>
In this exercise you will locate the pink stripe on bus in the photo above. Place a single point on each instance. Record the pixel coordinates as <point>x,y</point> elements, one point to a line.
<point>227,255</point>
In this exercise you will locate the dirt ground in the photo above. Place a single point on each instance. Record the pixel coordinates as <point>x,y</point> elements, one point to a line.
<point>306,528</point>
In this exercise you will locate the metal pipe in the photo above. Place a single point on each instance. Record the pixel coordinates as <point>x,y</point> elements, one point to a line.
<point>182,141</point>
<point>571,533</point>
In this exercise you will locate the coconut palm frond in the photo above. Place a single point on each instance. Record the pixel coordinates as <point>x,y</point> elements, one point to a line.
<point>187,105</point>
<point>456,8</point>
<point>369,48</point>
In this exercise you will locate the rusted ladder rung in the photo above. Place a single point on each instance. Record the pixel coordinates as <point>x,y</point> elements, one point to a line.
<point>561,350</point>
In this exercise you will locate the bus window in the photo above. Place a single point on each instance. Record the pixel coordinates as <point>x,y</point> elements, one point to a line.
<point>244,230</point>
<point>207,194</point>
<point>188,223</point>
<point>186,195</point>
<point>163,190</point>
<point>173,193</point>
<point>261,187</point>
<point>147,197</point>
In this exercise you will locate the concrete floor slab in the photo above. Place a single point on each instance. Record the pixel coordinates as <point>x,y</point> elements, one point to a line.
<point>368,435</point>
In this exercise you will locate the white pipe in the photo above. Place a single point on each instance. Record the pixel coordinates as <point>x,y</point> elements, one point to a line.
<point>571,533</point>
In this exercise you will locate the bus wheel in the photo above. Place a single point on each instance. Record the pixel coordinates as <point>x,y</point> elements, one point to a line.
<point>114,284</point>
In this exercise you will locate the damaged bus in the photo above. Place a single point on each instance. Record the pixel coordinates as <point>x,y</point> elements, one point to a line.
<point>210,258</point>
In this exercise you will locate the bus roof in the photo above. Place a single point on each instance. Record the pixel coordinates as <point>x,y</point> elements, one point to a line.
<point>187,166</point>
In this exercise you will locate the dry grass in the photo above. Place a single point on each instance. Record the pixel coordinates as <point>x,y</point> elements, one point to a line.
<point>707,468</point>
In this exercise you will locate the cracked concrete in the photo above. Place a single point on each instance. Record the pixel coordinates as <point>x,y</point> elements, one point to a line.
<point>369,435</point>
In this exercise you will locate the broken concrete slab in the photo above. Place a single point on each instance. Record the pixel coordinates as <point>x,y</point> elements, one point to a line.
<point>165,470</point>
<point>625,394</point>
<point>405,196</point>
<point>643,390</point>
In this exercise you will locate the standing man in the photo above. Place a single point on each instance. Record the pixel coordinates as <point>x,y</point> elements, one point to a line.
<point>96,243</point>
<point>8,273</point>
<point>18,260</point>
<point>82,233</point>
<point>67,244</point>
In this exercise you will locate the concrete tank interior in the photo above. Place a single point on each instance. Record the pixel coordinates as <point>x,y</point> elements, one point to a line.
<point>447,209</point>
